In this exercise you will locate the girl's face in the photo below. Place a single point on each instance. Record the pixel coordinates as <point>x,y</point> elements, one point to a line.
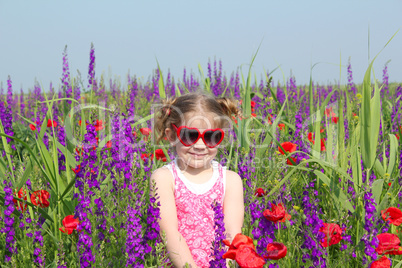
<point>198,155</point>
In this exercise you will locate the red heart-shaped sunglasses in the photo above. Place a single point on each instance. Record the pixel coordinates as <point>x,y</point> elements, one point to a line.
<point>190,135</point>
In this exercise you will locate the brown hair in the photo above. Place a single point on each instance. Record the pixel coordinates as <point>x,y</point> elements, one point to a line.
<point>173,109</point>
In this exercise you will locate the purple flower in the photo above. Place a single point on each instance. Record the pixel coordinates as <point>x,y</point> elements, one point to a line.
<point>8,230</point>
<point>218,247</point>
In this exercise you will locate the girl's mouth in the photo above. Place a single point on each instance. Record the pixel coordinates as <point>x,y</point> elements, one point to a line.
<point>198,155</point>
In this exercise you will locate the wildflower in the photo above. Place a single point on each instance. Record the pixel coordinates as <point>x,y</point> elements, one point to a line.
<point>32,127</point>
<point>40,198</point>
<point>8,220</point>
<point>389,244</point>
<point>242,250</point>
<point>259,192</point>
<point>109,144</point>
<point>252,104</point>
<point>19,205</point>
<point>160,155</point>
<point>335,119</point>
<point>145,156</point>
<point>253,115</point>
<point>290,148</point>
<point>246,257</point>
<point>79,123</point>
<point>393,215</point>
<point>332,233</point>
<point>69,224</point>
<point>77,169</point>
<point>51,123</point>
<point>218,247</point>
<point>269,118</point>
<point>276,251</point>
<point>384,262</point>
<point>328,111</point>
<point>277,213</point>
<point>99,125</point>
<point>145,131</point>
<point>281,126</point>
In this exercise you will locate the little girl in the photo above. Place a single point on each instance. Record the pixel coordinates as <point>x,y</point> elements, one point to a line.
<point>193,124</point>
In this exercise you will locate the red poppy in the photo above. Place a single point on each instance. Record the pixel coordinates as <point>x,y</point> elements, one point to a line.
<point>109,144</point>
<point>78,151</point>
<point>276,251</point>
<point>69,224</point>
<point>252,104</point>
<point>277,213</point>
<point>147,156</point>
<point>322,145</point>
<point>77,169</point>
<point>99,125</point>
<point>259,192</point>
<point>145,131</point>
<point>32,127</point>
<point>393,215</point>
<point>246,257</point>
<point>328,111</point>
<point>134,134</point>
<point>234,119</point>
<point>253,115</point>
<point>388,244</point>
<point>384,262</point>
<point>40,198</point>
<point>332,233</point>
<point>290,162</point>
<point>79,123</point>
<point>160,155</point>
<point>310,137</point>
<point>288,147</point>
<point>281,126</point>
<point>242,250</point>
<point>335,119</point>
<point>269,117</point>
<point>397,136</point>
<point>49,123</point>
<point>19,205</point>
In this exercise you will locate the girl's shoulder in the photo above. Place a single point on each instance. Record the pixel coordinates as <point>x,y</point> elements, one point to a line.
<point>162,177</point>
<point>232,176</point>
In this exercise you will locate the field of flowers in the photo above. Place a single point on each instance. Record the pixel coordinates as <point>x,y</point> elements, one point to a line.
<point>321,168</point>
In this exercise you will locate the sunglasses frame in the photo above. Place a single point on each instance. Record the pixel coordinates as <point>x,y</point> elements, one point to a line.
<point>200,135</point>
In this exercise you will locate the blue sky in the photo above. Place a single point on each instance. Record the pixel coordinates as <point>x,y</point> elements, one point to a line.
<point>130,35</point>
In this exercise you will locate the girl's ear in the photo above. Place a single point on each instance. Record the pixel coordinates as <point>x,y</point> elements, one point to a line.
<point>170,135</point>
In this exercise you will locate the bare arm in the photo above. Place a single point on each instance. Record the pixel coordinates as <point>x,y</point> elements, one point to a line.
<point>179,253</point>
<point>233,205</point>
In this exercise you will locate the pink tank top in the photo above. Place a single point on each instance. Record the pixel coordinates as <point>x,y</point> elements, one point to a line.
<point>196,216</point>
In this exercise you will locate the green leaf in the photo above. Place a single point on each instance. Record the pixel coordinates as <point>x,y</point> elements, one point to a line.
<point>161,86</point>
<point>379,168</point>
<point>393,151</point>
<point>377,189</point>
<point>26,175</point>
<point>336,192</point>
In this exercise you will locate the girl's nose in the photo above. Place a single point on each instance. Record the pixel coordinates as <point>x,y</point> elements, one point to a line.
<point>200,143</point>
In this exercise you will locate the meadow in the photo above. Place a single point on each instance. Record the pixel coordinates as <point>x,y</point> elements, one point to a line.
<point>321,167</point>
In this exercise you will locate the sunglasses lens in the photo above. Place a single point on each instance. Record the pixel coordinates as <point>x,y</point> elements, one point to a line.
<point>189,136</point>
<point>213,138</point>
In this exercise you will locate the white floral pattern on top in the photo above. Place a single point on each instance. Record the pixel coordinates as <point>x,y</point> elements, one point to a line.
<point>196,217</point>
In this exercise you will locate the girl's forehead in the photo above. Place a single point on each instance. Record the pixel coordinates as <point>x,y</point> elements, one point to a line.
<point>198,120</point>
